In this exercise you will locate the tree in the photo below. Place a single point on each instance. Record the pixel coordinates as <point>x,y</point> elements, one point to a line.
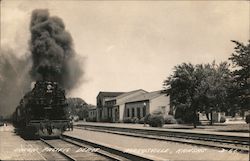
<point>202,87</point>
<point>181,88</point>
<point>213,89</point>
<point>240,94</point>
<point>77,106</point>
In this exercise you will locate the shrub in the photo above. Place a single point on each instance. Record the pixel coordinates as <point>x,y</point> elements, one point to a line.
<point>105,120</point>
<point>131,120</point>
<point>222,119</point>
<point>184,113</point>
<point>146,118</point>
<point>248,119</point>
<point>135,120</point>
<point>141,121</point>
<point>127,120</point>
<point>180,121</point>
<point>156,121</point>
<point>169,119</point>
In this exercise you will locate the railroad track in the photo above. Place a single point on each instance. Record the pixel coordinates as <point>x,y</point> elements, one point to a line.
<point>75,149</point>
<point>217,141</point>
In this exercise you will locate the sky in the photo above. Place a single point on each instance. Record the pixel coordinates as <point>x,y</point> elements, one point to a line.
<point>129,45</point>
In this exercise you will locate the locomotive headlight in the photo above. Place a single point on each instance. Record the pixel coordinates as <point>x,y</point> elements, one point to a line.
<point>49,87</point>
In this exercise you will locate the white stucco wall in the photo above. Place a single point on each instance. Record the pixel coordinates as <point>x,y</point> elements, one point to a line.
<point>159,102</point>
<point>121,111</point>
<point>121,102</point>
<point>135,106</point>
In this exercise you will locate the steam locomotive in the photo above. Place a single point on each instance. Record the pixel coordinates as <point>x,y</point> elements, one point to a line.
<point>42,111</point>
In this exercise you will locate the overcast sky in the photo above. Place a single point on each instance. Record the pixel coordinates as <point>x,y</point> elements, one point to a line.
<point>135,44</point>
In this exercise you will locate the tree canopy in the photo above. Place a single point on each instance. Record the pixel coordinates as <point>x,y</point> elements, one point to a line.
<point>77,106</point>
<point>201,87</point>
<point>241,61</point>
<point>211,87</point>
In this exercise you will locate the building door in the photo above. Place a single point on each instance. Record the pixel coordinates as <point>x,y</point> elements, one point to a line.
<point>138,112</point>
<point>110,116</point>
<point>144,111</point>
<point>116,116</point>
<point>99,114</point>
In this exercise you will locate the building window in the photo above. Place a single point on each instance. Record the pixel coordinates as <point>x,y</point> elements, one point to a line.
<point>138,112</point>
<point>109,112</point>
<point>133,112</point>
<point>144,111</point>
<point>128,112</point>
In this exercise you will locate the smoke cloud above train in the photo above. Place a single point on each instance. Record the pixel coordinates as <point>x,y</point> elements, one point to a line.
<point>53,56</point>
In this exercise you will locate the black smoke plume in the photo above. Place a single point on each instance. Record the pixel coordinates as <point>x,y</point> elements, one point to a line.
<point>53,56</point>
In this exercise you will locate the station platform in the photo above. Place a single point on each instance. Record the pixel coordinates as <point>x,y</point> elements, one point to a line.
<point>157,149</point>
<point>171,128</point>
<point>13,147</point>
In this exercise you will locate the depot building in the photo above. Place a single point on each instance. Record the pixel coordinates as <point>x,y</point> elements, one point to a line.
<point>118,106</point>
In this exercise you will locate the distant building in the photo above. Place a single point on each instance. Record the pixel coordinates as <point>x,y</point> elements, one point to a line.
<point>117,106</point>
<point>102,110</point>
<point>152,102</point>
<point>92,114</point>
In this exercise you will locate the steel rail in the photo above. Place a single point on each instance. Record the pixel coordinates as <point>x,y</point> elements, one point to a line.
<point>101,152</point>
<point>221,143</point>
<point>62,153</point>
<point>110,150</point>
<point>198,136</point>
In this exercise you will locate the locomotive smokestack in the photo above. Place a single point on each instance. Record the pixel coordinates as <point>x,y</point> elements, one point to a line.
<point>52,52</point>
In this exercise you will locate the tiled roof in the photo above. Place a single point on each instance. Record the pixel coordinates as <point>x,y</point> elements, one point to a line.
<point>125,94</point>
<point>146,96</point>
<point>110,94</point>
<point>92,108</point>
